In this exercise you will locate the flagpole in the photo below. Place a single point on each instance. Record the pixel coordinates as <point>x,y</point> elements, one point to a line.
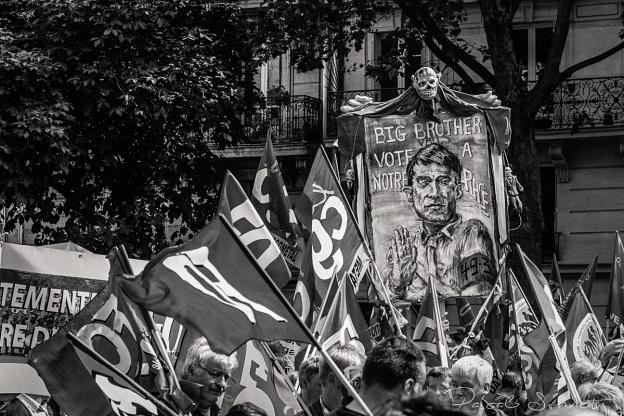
<point>280,369</point>
<point>515,319</point>
<point>156,334</point>
<point>444,358</point>
<point>77,342</point>
<point>364,241</point>
<point>297,319</point>
<point>565,369</point>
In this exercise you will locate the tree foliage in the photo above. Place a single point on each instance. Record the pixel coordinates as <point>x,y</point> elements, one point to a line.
<point>340,25</point>
<point>110,110</point>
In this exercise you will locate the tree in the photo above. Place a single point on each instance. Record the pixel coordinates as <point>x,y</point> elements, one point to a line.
<point>109,112</point>
<point>316,31</point>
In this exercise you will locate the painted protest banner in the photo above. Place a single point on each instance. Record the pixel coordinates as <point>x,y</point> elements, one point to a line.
<point>40,290</point>
<point>438,219</point>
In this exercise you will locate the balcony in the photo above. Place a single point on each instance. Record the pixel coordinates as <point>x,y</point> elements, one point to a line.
<point>575,104</point>
<point>294,120</point>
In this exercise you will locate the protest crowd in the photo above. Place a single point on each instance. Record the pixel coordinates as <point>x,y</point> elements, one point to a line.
<point>247,350</point>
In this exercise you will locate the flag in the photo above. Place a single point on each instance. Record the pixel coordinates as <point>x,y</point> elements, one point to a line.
<point>257,381</point>
<point>488,304</point>
<point>615,305</point>
<point>559,396</point>
<point>585,282</point>
<point>307,300</point>
<point>465,314</point>
<point>543,297</point>
<point>337,246</point>
<point>428,332</point>
<point>524,322</point>
<point>584,336</point>
<point>344,321</point>
<point>239,211</point>
<point>212,284</point>
<point>555,281</point>
<point>125,398</point>
<point>270,198</point>
<point>115,328</point>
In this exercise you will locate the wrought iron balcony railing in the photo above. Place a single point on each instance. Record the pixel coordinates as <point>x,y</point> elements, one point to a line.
<point>292,119</point>
<point>576,103</point>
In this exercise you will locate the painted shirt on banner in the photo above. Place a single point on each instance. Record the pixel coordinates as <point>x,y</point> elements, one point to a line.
<point>431,199</point>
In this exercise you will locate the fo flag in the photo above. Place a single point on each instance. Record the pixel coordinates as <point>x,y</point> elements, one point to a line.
<point>615,303</point>
<point>337,246</point>
<point>428,332</point>
<point>239,211</point>
<point>270,199</point>
<point>585,339</point>
<point>114,328</point>
<point>213,285</point>
<point>257,381</point>
<point>344,321</point>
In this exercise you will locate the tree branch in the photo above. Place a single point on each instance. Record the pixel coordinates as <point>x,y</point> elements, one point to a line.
<point>567,73</point>
<point>514,6</point>
<point>560,36</point>
<point>455,66</point>
<point>446,46</point>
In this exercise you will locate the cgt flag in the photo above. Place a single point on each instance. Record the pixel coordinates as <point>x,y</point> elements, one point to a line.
<point>270,199</point>
<point>211,284</point>
<point>258,382</point>
<point>115,328</point>
<point>337,246</point>
<point>523,323</point>
<point>344,321</point>
<point>585,339</point>
<point>615,302</point>
<point>239,211</point>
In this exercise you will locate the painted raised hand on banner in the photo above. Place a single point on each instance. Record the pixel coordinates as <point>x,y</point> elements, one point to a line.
<point>403,260</point>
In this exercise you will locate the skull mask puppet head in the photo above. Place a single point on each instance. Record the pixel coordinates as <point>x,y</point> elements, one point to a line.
<point>426,83</point>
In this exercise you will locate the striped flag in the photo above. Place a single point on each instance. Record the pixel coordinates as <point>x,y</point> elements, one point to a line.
<point>543,296</point>
<point>428,331</point>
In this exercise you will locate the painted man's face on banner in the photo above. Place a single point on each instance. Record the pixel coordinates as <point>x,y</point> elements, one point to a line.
<point>434,193</point>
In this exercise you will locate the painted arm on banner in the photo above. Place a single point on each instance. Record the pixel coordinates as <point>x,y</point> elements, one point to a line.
<point>402,268</point>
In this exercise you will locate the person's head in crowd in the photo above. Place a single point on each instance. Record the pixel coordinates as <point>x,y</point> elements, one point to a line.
<point>288,363</point>
<point>208,371</point>
<point>570,411</point>
<point>438,381</point>
<point>583,372</point>
<point>479,345</point>
<point>511,384</point>
<point>246,409</point>
<point>349,361</point>
<point>609,355</point>
<point>309,379</point>
<point>426,404</point>
<point>470,381</point>
<point>602,397</point>
<point>394,368</point>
